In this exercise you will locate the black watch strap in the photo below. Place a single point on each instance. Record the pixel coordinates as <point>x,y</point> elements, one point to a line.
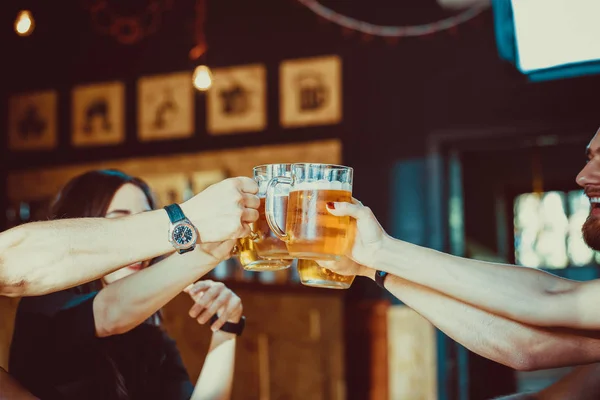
<point>175,213</point>
<point>231,327</point>
<point>380,278</point>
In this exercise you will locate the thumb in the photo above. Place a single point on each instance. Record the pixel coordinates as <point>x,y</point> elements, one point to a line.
<point>343,209</point>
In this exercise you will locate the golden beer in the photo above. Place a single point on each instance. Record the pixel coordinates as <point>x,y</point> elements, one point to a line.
<point>267,244</point>
<point>311,274</point>
<point>313,233</point>
<point>263,250</point>
<point>310,231</point>
<point>251,261</point>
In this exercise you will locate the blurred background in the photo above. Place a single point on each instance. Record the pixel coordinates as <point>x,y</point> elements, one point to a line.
<point>466,123</point>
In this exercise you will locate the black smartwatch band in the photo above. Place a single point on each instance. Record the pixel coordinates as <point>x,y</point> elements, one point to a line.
<point>175,213</point>
<point>380,278</point>
<point>231,327</point>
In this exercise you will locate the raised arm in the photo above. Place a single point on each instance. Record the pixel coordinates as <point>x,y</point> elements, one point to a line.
<point>216,378</point>
<point>43,257</point>
<point>505,341</point>
<point>526,295</point>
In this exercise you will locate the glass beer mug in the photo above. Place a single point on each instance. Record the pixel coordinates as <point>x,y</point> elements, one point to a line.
<point>263,250</point>
<point>311,274</point>
<point>310,231</point>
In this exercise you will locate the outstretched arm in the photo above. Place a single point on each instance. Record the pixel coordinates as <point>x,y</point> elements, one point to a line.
<point>523,294</point>
<point>514,344</point>
<point>44,257</point>
<point>126,303</point>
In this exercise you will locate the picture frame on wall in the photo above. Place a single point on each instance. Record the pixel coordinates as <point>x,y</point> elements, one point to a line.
<point>310,91</point>
<point>32,121</point>
<point>237,100</point>
<point>98,114</point>
<point>168,188</point>
<point>165,107</point>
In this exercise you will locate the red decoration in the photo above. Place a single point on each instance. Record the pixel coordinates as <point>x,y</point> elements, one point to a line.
<point>201,46</point>
<point>108,19</point>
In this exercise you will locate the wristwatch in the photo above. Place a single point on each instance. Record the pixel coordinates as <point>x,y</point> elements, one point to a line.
<point>183,235</point>
<point>380,278</point>
<point>231,327</point>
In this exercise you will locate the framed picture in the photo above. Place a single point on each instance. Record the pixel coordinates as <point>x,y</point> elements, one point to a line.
<point>98,116</point>
<point>32,121</point>
<point>237,100</point>
<point>168,188</point>
<point>165,107</point>
<point>203,179</point>
<point>310,91</point>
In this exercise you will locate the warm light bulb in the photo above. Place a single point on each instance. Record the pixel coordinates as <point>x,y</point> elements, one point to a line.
<point>24,23</point>
<point>202,78</point>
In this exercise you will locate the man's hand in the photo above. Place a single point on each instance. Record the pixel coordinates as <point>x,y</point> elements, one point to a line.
<point>212,298</point>
<point>224,210</point>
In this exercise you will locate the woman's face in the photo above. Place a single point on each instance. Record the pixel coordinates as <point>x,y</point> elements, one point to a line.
<point>128,200</point>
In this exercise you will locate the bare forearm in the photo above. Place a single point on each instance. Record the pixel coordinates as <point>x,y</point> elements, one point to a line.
<point>523,294</point>
<point>43,257</point>
<point>216,377</point>
<point>126,303</point>
<point>500,339</point>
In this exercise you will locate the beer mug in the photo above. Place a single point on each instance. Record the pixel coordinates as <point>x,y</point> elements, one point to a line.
<point>263,250</point>
<point>310,231</point>
<point>245,249</point>
<point>311,274</point>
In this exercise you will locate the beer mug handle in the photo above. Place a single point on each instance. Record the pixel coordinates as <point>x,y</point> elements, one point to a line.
<point>270,205</point>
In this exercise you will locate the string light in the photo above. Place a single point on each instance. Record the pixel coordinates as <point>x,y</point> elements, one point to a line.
<point>24,23</point>
<point>202,78</point>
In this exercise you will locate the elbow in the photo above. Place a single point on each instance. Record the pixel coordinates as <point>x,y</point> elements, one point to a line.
<point>523,361</point>
<point>107,316</point>
<point>11,287</point>
<point>521,356</point>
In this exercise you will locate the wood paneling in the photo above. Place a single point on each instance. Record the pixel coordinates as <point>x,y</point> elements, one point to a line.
<point>291,348</point>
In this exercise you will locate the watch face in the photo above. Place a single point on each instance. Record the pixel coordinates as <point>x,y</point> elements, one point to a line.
<point>183,235</point>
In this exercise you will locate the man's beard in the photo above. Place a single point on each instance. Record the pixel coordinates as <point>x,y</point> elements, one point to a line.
<point>591,232</point>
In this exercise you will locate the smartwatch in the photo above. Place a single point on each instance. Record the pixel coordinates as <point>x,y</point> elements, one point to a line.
<point>231,327</point>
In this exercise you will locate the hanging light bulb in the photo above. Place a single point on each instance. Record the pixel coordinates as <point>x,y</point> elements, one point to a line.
<point>24,23</point>
<point>202,78</point>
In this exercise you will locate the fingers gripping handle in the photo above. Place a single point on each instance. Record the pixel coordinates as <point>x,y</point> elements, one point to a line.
<point>270,205</point>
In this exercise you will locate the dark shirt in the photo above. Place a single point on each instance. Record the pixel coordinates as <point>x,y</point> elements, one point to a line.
<point>55,354</point>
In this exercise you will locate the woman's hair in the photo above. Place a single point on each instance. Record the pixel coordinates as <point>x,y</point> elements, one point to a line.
<point>88,196</point>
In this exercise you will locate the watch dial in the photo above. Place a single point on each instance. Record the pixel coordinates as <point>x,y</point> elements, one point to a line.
<point>183,235</point>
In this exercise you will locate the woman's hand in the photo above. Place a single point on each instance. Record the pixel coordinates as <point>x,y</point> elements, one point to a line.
<point>212,298</point>
<point>369,235</point>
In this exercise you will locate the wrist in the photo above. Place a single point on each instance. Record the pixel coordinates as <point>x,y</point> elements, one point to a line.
<point>380,257</point>
<point>189,213</point>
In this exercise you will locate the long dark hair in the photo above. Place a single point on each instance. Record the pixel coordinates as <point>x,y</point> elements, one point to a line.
<point>88,196</point>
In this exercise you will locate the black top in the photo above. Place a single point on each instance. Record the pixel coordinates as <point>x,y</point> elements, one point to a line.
<point>56,355</point>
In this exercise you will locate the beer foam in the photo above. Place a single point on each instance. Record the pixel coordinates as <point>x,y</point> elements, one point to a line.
<point>322,185</point>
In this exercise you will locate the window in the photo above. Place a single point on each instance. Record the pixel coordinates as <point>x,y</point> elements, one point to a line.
<point>548,230</point>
